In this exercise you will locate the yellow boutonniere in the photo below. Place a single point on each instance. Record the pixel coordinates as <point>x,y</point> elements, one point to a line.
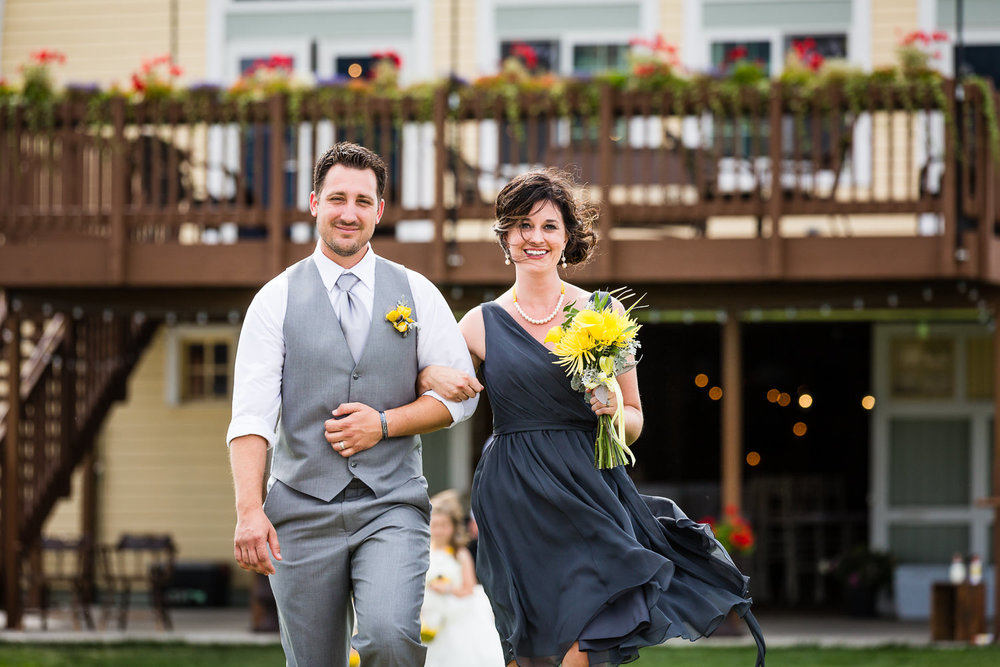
<point>399,318</point>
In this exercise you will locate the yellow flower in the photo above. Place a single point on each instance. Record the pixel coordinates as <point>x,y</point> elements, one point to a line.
<point>554,334</point>
<point>575,349</point>
<point>587,318</point>
<point>404,311</point>
<point>393,314</point>
<point>427,633</point>
<point>355,659</point>
<point>617,329</point>
<point>607,365</point>
<point>401,326</point>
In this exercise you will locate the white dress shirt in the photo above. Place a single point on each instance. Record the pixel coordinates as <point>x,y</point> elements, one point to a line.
<point>261,352</point>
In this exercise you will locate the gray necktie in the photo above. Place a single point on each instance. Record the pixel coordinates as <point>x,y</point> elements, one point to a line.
<point>353,319</point>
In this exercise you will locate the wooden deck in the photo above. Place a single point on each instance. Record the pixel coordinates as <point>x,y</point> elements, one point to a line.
<point>166,195</point>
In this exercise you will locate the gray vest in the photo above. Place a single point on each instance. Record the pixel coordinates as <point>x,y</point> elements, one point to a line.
<point>319,374</point>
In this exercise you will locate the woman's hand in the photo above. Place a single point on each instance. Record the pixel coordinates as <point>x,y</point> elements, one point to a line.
<point>603,401</point>
<point>450,384</point>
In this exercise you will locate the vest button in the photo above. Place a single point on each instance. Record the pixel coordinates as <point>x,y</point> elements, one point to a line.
<point>354,464</point>
<point>356,376</point>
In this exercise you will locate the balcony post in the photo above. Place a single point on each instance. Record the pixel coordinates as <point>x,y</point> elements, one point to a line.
<point>119,183</point>
<point>276,193</point>
<point>438,265</point>
<point>775,261</point>
<point>606,147</point>
<point>949,182</point>
<point>985,186</point>
<point>11,519</point>
<point>732,411</point>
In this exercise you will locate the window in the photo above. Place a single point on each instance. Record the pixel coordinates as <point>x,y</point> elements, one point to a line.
<point>206,369</point>
<point>262,133</point>
<point>200,362</point>
<point>595,58</point>
<point>828,46</point>
<point>724,54</point>
<point>981,59</point>
<point>353,67</point>
<point>537,55</point>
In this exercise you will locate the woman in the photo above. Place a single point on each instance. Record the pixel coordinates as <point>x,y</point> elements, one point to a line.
<point>579,568</point>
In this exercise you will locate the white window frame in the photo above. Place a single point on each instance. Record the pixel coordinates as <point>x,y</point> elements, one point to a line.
<point>978,412</point>
<point>179,334</point>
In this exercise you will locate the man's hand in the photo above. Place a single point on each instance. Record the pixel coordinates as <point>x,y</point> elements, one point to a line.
<point>449,383</point>
<point>357,427</point>
<point>254,534</point>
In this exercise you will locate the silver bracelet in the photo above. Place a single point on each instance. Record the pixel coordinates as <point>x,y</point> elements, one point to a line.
<point>385,425</point>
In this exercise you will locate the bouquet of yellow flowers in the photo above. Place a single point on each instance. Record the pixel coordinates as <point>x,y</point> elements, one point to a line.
<point>595,345</point>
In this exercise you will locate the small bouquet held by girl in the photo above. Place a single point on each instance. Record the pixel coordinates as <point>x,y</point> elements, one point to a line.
<point>596,344</point>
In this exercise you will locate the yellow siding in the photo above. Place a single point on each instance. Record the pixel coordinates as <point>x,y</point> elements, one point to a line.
<point>672,23</point>
<point>465,19</point>
<point>891,20</point>
<point>163,468</point>
<point>104,41</point>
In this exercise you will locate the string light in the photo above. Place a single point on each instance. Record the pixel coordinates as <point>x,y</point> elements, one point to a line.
<point>715,393</point>
<point>753,459</point>
<point>868,402</point>
<point>701,380</point>
<point>805,401</point>
<point>799,429</point>
<point>773,395</point>
<point>784,399</point>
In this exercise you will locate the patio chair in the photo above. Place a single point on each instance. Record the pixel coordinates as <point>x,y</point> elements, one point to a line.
<point>58,565</point>
<point>138,562</point>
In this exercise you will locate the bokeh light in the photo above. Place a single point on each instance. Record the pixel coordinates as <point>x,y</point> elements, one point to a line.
<point>772,395</point>
<point>701,380</point>
<point>784,399</point>
<point>715,393</point>
<point>799,429</point>
<point>753,458</point>
<point>805,400</point>
<point>868,402</point>
<point>354,71</point>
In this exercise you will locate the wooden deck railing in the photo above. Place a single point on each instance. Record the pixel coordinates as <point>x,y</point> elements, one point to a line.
<point>163,173</point>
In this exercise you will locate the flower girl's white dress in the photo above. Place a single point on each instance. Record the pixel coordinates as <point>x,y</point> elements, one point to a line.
<point>465,635</point>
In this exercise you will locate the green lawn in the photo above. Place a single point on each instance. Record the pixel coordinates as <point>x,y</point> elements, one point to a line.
<point>186,655</point>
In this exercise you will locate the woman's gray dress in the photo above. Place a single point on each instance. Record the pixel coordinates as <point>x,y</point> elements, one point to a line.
<point>568,552</point>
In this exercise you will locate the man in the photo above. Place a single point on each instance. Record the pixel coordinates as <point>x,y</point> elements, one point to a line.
<point>346,514</point>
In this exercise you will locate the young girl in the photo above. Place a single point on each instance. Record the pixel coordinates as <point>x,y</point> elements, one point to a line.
<point>455,609</point>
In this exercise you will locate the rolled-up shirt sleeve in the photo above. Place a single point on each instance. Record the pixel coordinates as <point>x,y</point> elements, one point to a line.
<point>440,342</point>
<point>260,357</point>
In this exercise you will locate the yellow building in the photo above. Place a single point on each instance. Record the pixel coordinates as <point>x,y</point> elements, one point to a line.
<point>162,461</point>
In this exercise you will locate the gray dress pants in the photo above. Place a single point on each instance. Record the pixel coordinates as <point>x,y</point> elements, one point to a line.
<point>358,547</point>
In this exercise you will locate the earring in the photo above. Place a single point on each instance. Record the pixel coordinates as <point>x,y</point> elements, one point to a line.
<point>563,259</point>
<point>506,257</point>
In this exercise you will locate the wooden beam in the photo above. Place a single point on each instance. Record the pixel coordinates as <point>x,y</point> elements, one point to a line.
<point>119,184</point>
<point>605,145</point>
<point>438,267</point>
<point>276,207</point>
<point>775,264</point>
<point>11,520</point>
<point>732,412</point>
<point>949,186</point>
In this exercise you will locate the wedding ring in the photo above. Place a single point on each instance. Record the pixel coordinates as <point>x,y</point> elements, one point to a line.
<point>340,445</point>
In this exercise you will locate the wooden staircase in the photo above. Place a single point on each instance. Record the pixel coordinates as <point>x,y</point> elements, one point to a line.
<point>60,373</point>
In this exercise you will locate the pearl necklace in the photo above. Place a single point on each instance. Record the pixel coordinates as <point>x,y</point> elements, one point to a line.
<point>562,297</point>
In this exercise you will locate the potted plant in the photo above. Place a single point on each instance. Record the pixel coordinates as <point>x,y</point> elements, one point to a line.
<point>864,573</point>
<point>733,532</point>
